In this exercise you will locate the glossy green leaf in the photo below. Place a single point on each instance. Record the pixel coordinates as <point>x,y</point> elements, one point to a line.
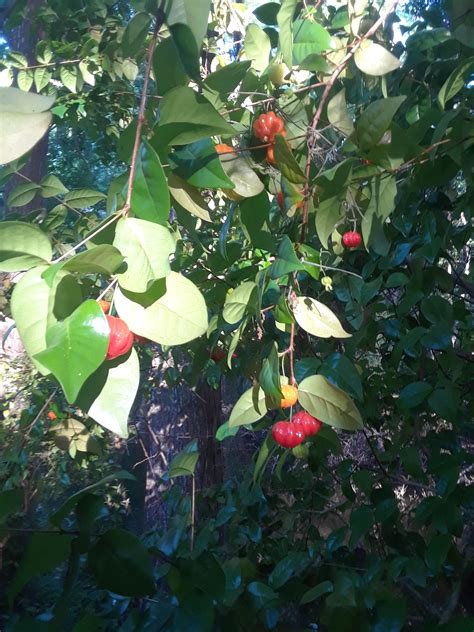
<point>83,198</point>
<point>150,195</point>
<point>224,432</point>
<point>108,395</point>
<point>168,69</point>
<point>317,319</point>
<point>184,463</point>
<point>285,24</point>
<point>188,49</point>
<point>338,114</point>
<point>328,403</point>
<point>199,165</point>
<point>254,216</point>
<point>257,47</point>
<point>374,59</point>
<point>186,116</point>
<point>286,260</point>
<point>43,553</point>
<point>239,301</point>
<point>76,347</point>
<point>317,591</point>
<point>328,214</point>
<point>69,76</point>
<point>146,247</point>
<point>188,197</point>
<point>51,303</point>
<point>193,13</point>
<point>414,394</point>
<point>375,120</point>
<point>51,186</point>
<point>238,169</point>
<point>310,38</point>
<point>22,246</point>
<point>133,39</point>
<point>250,407</point>
<point>269,377</point>
<point>179,316</point>
<point>23,194</point>
<point>455,82</point>
<point>219,84</point>
<point>120,563</point>
<point>286,162</point>
<point>103,259</point>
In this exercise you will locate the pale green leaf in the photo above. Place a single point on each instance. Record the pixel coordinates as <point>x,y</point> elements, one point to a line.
<point>285,24</point>
<point>22,246</point>
<point>188,197</point>
<point>83,198</point>
<point>374,59</point>
<point>250,407</point>
<point>238,301</point>
<point>317,319</point>
<point>22,194</point>
<point>328,403</point>
<point>257,47</point>
<point>338,114</point>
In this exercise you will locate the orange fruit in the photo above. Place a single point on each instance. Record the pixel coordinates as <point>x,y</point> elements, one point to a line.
<point>104,305</point>
<point>290,396</point>
<point>271,155</point>
<point>52,415</point>
<point>222,148</point>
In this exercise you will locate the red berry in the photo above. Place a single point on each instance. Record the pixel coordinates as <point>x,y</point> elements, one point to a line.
<point>52,415</point>
<point>267,126</point>
<point>218,354</point>
<point>120,338</point>
<point>352,239</point>
<point>288,435</point>
<point>310,424</point>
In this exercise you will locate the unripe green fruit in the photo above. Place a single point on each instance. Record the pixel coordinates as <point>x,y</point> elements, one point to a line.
<point>301,451</point>
<point>276,74</point>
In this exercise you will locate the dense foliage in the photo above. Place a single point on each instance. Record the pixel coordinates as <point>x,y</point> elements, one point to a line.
<point>293,206</point>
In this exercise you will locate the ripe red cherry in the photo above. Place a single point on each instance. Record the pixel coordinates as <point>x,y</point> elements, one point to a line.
<point>120,338</point>
<point>267,126</point>
<point>352,239</point>
<point>288,435</point>
<point>218,354</point>
<point>310,424</point>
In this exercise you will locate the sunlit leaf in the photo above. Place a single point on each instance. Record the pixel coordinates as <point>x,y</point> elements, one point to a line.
<point>328,403</point>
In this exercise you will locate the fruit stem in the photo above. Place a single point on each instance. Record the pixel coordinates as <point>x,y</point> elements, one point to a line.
<point>292,350</point>
<point>325,267</point>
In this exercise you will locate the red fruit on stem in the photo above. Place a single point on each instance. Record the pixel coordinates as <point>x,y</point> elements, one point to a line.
<point>267,126</point>
<point>120,338</point>
<point>352,239</point>
<point>287,434</point>
<point>52,415</point>
<point>310,424</point>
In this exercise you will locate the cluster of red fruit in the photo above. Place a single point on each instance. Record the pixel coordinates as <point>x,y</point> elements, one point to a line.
<point>121,338</point>
<point>291,433</point>
<point>265,128</point>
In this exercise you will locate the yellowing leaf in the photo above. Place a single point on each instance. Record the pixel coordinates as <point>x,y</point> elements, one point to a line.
<point>317,319</point>
<point>374,59</point>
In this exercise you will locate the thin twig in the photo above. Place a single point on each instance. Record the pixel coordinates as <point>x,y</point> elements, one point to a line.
<point>325,267</point>
<point>72,250</point>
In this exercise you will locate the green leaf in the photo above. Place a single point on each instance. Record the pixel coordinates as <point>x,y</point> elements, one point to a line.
<point>414,394</point>
<point>22,246</point>
<point>219,84</point>
<point>239,301</point>
<point>374,59</point>
<point>317,319</point>
<point>339,369</point>
<point>437,552</point>
<point>455,82</point>
<point>76,347</point>
<point>254,216</point>
<point>188,50</point>
<point>328,213</point>
<point>58,516</point>
<point>42,78</point>
<point>224,432</point>
<point>427,38</point>
<point>264,453</point>
<point>103,259</point>
<point>361,521</point>
<point>184,463</point>
<point>147,248</point>
<point>51,302</point>
<point>310,38</point>
<point>24,79</point>
<point>135,33</point>
<point>286,260</point>
<point>317,591</point>
<point>51,186</point>
<point>179,316</point>
<point>238,170</point>
<point>168,70</point>
<point>192,13</point>
<point>312,256</point>
<point>44,552</point>
<point>150,195</point>
<point>69,76</point>
<point>375,120</point>
<point>11,502</point>
<point>338,114</point>
<point>72,433</point>
<point>328,403</point>
<point>267,13</point>
<point>269,377</point>
<point>286,162</point>
<point>188,197</point>
<point>199,165</point>
<point>108,394</point>
<point>186,116</point>
<point>120,563</point>
<point>83,198</point>
<point>23,194</point>
<point>257,47</point>
<point>285,35</point>
<point>250,407</point>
